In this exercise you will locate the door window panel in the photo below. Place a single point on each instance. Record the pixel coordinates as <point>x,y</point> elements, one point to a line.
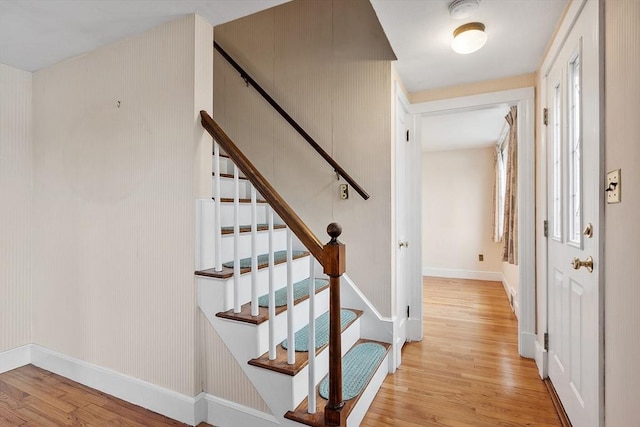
<point>575,152</point>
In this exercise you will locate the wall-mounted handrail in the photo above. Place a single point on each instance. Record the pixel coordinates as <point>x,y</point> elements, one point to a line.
<point>336,167</point>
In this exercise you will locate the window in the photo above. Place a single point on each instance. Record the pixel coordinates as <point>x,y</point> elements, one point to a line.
<point>575,153</point>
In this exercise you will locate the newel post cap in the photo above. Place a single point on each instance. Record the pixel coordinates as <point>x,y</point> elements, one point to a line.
<point>334,252</point>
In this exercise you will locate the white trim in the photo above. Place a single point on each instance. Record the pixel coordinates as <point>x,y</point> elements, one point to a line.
<point>570,18</point>
<point>494,276</point>
<point>134,390</point>
<point>473,101</point>
<point>190,410</point>
<point>224,413</point>
<point>526,298</point>
<point>542,360</point>
<point>15,358</point>
<point>512,295</point>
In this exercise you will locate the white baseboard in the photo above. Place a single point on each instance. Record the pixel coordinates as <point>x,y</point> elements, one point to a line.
<point>186,409</point>
<point>150,396</point>
<point>15,358</point>
<point>494,276</point>
<point>512,295</point>
<point>224,413</point>
<point>542,360</point>
<point>527,345</point>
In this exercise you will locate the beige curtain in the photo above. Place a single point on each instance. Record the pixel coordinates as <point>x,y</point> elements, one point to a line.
<point>510,236</point>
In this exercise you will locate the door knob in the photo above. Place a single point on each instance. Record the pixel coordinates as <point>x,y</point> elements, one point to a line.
<point>588,230</point>
<point>588,264</point>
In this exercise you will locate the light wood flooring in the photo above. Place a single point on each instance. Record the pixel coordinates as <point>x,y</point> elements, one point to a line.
<point>466,371</point>
<point>30,396</point>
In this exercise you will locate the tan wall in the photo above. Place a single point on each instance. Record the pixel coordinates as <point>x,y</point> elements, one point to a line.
<point>622,231</point>
<point>114,203</point>
<point>507,83</point>
<point>16,207</point>
<point>457,200</point>
<point>328,64</point>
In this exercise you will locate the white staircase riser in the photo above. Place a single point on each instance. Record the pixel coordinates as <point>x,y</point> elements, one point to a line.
<point>300,382</point>
<point>226,165</point>
<point>366,398</point>
<point>223,288</point>
<point>281,390</point>
<point>300,318</point>
<point>227,188</point>
<point>262,242</point>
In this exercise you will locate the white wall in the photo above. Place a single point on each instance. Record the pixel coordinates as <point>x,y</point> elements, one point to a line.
<point>622,231</point>
<point>16,207</point>
<point>457,197</point>
<point>116,171</point>
<point>329,65</point>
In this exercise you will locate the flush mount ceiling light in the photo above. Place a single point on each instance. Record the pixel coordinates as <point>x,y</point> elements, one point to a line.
<point>468,38</point>
<point>462,9</point>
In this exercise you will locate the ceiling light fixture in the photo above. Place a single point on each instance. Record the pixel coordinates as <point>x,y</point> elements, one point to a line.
<point>468,38</point>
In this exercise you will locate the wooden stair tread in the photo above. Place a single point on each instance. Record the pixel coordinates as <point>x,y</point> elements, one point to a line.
<point>279,364</point>
<point>230,200</point>
<point>263,312</point>
<point>317,420</point>
<point>228,272</point>
<point>247,228</point>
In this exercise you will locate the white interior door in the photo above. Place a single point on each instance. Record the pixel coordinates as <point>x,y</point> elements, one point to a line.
<point>402,258</point>
<point>573,176</point>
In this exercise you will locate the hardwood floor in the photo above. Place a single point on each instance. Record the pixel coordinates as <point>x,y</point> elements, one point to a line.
<point>30,396</point>
<point>466,371</point>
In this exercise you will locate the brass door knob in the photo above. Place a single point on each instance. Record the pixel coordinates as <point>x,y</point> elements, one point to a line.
<point>588,264</point>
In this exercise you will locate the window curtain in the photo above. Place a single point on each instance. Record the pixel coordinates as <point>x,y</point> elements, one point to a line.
<point>510,234</point>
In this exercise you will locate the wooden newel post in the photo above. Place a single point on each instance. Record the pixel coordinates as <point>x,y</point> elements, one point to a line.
<point>334,265</point>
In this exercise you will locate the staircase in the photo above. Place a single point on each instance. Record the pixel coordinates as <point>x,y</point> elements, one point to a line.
<point>272,292</point>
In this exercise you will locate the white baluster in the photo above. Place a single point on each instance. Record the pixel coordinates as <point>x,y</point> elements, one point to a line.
<point>312,336</point>
<point>236,240</point>
<point>272,292</point>
<point>254,253</point>
<point>217,225</point>
<point>291,337</point>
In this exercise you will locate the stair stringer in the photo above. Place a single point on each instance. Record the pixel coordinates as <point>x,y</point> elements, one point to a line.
<point>279,391</point>
<point>374,326</point>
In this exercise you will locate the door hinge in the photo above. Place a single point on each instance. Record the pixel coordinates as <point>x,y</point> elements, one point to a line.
<point>407,135</point>
<point>546,341</point>
<point>408,307</point>
<point>546,228</point>
<point>545,116</point>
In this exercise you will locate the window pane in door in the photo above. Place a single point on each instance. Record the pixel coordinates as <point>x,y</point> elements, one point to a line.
<point>557,164</point>
<point>575,153</point>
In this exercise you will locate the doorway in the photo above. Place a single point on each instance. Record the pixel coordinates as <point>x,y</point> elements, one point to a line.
<point>523,99</point>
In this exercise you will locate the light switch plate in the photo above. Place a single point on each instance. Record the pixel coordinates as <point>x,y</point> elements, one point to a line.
<point>614,184</point>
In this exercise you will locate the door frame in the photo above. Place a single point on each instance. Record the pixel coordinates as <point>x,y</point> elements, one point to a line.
<point>523,98</point>
<point>572,14</point>
<point>413,190</point>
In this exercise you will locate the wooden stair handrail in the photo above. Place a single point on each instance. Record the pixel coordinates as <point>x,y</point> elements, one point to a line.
<point>331,256</point>
<point>288,215</point>
<point>250,81</point>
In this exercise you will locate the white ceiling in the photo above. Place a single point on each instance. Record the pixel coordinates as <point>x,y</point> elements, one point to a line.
<point>38,33</point>
<point>421,31</point>
<point>463,129</point>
